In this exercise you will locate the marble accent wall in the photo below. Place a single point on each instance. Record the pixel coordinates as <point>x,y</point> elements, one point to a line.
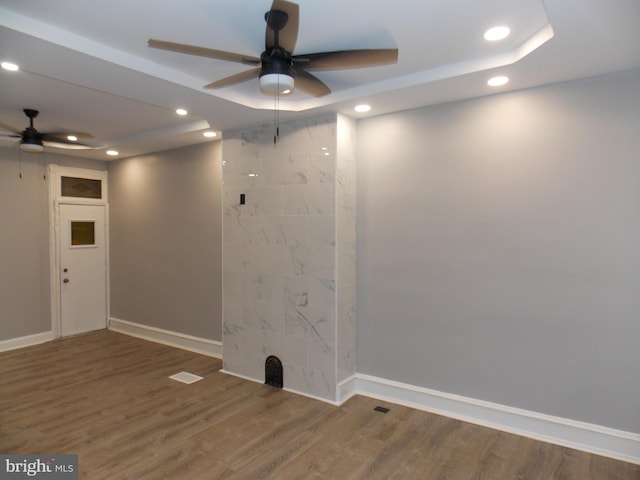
<point>281,253</point>
<point>346,246</point>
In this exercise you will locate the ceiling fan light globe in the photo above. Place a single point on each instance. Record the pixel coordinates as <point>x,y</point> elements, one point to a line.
<point>31,147</point>
<point>276,83</point>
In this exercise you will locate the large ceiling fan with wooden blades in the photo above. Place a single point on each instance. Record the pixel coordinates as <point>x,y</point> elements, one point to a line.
<point>31,140</point>
<point>277,68</point>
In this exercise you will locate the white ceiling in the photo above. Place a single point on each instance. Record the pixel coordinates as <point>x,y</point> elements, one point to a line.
<point>86,65</point>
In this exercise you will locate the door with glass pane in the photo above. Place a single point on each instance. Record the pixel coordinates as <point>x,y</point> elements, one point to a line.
<point>83,274</point>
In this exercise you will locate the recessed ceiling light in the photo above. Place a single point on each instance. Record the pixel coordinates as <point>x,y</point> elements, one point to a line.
<point>498,81</point>
<point>181,111</point>
<point>209,134</point>
<point>362,108</point>
<point>10,66</point>
<point>112,153</point>
<point>72,138</point>
<point>497,33</point>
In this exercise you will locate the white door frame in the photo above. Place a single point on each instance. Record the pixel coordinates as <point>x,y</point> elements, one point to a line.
<point>55,173</point>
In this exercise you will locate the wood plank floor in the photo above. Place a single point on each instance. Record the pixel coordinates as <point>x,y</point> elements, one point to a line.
<point>107,397</point>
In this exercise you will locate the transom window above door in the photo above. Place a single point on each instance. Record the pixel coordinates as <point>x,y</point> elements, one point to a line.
<point>80,187</point>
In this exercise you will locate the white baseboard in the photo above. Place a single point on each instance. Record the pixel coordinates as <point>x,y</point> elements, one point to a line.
<point>27,341</point>
<point>347,389</point>
<point>291,390</point>
<point>582,436</point>
<point>203,346</point>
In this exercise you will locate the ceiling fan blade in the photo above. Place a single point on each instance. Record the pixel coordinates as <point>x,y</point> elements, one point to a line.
<point>345,59</point>
<point>310,84</point>
<point>60,143</point>
<point>203,52</point>
<point>288,35</point>
<point>10,136</point>
<point>234,79</point>
<point>9,128</point>
<point>62,136</point>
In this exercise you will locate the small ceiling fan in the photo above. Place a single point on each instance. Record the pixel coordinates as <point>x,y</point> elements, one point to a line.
<point>31,140</point>
<point>277,68</point>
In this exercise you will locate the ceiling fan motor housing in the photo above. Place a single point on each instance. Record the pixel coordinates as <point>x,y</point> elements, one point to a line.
<point>277,73</point>
<point>31,141</point>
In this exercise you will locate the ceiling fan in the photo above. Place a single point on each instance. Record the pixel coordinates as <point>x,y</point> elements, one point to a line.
<point>31,140</point>
<point>277,68</point>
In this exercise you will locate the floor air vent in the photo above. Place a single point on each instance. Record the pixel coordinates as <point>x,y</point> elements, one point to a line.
<point>273,372</point>
<point>186,377</point>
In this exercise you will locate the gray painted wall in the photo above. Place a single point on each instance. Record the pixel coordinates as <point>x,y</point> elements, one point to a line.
<point>166,240</point>
<point>25,306</point>
<point>499,249</point>
<point>24,252</point>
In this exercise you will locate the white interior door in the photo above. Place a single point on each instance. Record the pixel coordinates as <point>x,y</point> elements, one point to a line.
<point>83,271</point>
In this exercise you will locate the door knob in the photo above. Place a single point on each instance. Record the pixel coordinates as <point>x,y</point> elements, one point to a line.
<point>66,280</point>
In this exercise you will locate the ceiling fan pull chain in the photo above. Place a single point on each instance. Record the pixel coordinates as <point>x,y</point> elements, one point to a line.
<point>276,113</point>
<point>44,165</point>
<point>275,119</point>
